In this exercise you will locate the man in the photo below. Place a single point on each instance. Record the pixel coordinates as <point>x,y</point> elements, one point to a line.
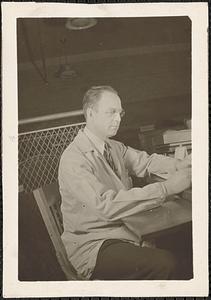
<point>97,194</point>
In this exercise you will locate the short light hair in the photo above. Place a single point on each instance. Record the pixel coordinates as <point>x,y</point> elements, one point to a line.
<point>92,96</point>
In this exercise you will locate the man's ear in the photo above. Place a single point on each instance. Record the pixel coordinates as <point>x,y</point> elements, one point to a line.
<point>89,112</point>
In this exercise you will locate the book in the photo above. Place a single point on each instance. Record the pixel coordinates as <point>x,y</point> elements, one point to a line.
<point>176,136</point>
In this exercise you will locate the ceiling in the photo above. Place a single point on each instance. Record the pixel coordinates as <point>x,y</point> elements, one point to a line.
<point>49,38</point>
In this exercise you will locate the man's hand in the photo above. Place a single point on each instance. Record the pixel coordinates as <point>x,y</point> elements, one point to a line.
<point>185,163</point>
<point>178,182</point>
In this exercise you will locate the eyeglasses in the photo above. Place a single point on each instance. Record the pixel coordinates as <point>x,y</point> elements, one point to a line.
<point>111,113</point>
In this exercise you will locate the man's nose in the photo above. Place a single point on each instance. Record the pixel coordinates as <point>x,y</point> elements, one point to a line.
<point>117,117</point>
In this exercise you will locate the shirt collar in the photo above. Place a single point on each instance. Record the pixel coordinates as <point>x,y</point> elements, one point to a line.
<point>99,144</point>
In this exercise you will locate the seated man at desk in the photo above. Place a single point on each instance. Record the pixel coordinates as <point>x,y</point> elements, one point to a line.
<point>97,194</point>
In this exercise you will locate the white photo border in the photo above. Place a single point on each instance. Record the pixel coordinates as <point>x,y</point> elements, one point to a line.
<point>198,286</point>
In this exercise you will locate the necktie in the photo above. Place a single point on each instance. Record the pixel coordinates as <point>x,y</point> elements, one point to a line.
<point>109,159</point>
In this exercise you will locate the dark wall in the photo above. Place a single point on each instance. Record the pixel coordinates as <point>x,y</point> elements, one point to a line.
<point>148,61</point>
<point>152,87</point>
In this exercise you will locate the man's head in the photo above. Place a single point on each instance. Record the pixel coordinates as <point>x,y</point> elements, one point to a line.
<point>103,111</point>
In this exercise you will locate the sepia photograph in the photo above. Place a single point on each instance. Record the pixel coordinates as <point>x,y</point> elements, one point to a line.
<point>105,116</point>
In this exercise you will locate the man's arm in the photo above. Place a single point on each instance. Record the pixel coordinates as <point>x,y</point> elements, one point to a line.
<point>139,163</point>
<point>80,181</point>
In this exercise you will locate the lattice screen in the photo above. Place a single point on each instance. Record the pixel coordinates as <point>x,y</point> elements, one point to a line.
<point>39,154</point>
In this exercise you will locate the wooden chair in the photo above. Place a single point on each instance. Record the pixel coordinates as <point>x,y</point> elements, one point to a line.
<point>49,200</point>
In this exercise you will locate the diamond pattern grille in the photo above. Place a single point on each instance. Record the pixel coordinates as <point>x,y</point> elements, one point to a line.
<point>39,153</point>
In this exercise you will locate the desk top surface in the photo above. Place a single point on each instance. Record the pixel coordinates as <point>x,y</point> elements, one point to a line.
<point>176,211</point>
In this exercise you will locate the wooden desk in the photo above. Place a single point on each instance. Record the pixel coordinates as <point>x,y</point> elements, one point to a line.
<point>176,211</point>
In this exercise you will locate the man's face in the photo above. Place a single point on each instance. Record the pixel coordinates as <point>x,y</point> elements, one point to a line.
<point>106,116</point>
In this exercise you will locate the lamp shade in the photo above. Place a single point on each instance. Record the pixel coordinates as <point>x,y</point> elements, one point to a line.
<point>80,23</point>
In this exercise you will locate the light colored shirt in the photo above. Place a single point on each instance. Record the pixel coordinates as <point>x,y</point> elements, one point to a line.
<point>95,200</point>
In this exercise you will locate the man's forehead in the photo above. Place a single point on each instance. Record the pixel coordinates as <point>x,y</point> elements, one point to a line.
<point>109,99</point>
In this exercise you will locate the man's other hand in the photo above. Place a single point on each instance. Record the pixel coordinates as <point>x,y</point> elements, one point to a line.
<point>178,182</point>
<point>185,163</point>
